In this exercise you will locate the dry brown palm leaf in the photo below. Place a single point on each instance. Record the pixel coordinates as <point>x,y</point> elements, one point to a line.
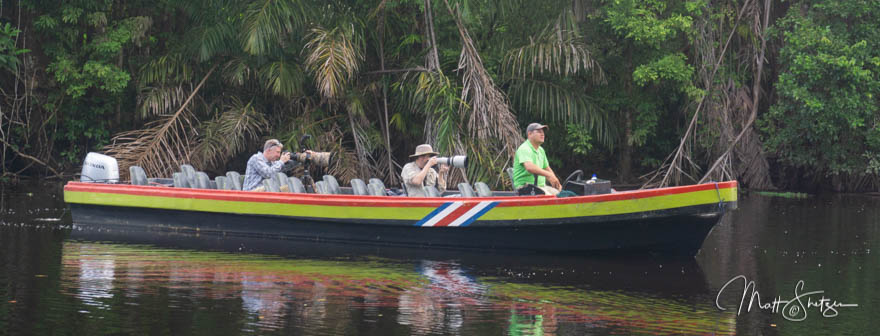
<point>165,143</point>
<point>163,146</point>
<point>490,115</point>
<point>157,101</point>
<point>228,134</point>
<point>358,126</point>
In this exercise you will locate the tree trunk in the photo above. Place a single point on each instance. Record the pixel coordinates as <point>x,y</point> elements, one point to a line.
<point>579,9</point>
<point>626,148</point>
<point>433,58</point>
<point>386,124</point>
<point>755,169</point>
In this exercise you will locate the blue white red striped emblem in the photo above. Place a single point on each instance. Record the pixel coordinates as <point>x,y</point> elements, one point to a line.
<point>459,213</point>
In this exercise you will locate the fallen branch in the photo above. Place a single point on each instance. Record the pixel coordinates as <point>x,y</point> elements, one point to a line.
<point>36,160</point>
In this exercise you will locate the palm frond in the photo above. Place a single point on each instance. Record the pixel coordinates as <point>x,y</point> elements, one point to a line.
<point>559,102</point>
<point>228,134</point>
<point>557,50</point>
<point>334,57</point>
<point>214,39</point>
<point>283,78</point>
<point>358,125</point>
<point>163,145</point>
<point>266,22</point>
<point>490,116</point>
<point>238,72</point>
<point>164,70</point>
<point>160,100</point>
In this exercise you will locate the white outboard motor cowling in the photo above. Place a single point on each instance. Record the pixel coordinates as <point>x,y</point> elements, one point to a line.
<point>100,168</point>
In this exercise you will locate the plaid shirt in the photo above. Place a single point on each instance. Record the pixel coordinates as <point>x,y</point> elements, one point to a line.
<point>258,168</point>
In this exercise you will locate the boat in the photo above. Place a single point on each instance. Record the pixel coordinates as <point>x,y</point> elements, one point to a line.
<point>673,220</point>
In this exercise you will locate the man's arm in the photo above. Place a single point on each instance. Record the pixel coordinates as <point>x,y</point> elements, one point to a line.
<point>547,173</point>
<point>441,178</point>
<point>420,177</point>
<point>266,170</point>
<point>554,181</point>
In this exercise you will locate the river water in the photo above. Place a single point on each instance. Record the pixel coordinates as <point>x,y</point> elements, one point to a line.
<point>819,252</point>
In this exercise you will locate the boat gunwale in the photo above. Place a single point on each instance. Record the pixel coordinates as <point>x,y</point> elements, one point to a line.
<point>383,201</point>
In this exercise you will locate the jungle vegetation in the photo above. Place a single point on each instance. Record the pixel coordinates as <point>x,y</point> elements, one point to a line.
<point>775,94</point>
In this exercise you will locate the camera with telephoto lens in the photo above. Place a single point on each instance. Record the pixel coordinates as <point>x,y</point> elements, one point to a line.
<point>321,159</point>
<point>458,161</point>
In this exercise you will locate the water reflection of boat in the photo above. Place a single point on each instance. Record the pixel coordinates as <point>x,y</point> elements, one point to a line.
<point>673,275</point>
<point>667,220</point>
<point>432,297</point>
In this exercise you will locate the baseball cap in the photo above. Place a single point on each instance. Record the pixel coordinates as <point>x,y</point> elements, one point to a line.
<point>535,126</point>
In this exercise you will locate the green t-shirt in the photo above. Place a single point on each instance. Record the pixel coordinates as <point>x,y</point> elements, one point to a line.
<point>527,153</point>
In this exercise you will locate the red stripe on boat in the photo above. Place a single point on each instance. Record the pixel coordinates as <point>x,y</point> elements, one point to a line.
<point>457,213</point>
<point>375,201</point>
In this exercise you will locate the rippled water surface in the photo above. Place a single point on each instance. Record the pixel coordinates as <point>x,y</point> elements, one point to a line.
<point>62,279</point>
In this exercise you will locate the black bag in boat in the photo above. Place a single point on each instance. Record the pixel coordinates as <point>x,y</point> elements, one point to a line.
<point>529,190</point>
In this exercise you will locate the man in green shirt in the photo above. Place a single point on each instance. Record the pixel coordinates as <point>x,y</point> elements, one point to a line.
<point>530,161</point>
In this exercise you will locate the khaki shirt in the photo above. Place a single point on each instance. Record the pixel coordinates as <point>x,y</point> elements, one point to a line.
<point>410,170</point>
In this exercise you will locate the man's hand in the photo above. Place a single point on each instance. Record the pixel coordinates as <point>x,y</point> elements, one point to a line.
<point>431,162</point>
<point>554,182</point>
<point>444,168</point>
<point>285,157</point>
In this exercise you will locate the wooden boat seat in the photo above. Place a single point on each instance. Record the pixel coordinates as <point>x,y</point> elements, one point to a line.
<point>466,190</point>
<point>332,184</point>
<point>235,180</point>
<point>358,187</point>
<point>180,180</point>
<point>296,185</point>
<point>138,176</point>
<point>482,189</point>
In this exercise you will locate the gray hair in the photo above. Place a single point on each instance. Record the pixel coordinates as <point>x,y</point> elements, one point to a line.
<point>271,143</point>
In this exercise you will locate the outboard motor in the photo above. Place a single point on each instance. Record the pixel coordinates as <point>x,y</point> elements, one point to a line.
<point>100,168</point>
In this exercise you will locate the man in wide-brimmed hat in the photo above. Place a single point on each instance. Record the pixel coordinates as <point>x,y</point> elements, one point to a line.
<point>420,173</point>
<point>530,165</point>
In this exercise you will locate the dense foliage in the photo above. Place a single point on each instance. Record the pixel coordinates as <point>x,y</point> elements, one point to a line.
<point>160,83</point>
<point>825,121</point>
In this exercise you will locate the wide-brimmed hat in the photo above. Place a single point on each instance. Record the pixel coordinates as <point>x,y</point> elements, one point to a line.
<point>424,150</point>
<point>534,126</point>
